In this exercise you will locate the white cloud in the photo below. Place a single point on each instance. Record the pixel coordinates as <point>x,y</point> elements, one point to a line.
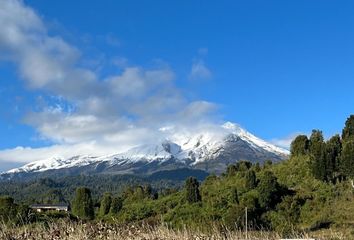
<point>27,154</point>
<point>102,116</point>
<point>195,110</point>
<point>73,128</point>
<point>286,141</point>
<point>45,62</point>
<point>136,83</point>
<point>200,71</point>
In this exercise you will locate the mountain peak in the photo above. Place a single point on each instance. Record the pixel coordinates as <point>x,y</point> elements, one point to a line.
<point>217,144</point>
<point>234,127</point>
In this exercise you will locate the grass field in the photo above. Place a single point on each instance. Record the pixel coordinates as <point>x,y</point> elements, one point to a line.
<point>75,231</point>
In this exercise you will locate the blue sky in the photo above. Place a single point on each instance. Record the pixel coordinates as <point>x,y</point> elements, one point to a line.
<point>277,68</point>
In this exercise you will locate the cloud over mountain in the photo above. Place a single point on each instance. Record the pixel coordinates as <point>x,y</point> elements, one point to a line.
<point>93,112</point>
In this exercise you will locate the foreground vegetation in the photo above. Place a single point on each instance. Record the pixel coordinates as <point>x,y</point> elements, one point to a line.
<point>69,230</point>
<point>308,194</point>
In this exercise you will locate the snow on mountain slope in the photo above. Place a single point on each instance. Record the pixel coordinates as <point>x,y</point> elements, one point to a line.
<point>198,146</point>
<point>149,152</point>
<point>56,163</point>
<point>253,140</point>
<point>207,143</point>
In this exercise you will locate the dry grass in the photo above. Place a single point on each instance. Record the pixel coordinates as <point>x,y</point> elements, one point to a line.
<point>67,230</point>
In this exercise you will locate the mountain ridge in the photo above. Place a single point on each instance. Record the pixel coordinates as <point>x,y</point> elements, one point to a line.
<point>206,150</point>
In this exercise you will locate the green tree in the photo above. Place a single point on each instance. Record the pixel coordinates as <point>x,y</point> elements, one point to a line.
<point>333,150</point>
<point>116,205</point>
<point>243,165</point>
<point>347,159</point>
<point>287,215</point>
<point>269,191</point>
<point>105,204</point>
<point>299,146</point>
<point>234,196</point>
<point>317,148</point>
<point>192,190</point>
<point>235,217</point>
<point>251,180</point>
<point>347,155</point>
<point>139,193</point>
<point>257,167</point>
<point>82,205</point>
<point>231,170</point>
<point>149,192</point>
<point>348,130</point>
<point>267,163</point>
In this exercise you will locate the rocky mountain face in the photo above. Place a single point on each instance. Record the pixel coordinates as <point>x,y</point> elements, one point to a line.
<point>210,151</point>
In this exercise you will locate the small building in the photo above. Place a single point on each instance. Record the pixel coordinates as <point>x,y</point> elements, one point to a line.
<point>50,207</point>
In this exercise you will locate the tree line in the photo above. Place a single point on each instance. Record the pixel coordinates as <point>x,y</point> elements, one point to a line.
<point>331,160</point>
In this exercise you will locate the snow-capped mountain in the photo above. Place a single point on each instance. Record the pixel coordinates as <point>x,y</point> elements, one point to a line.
<point>208,149</point>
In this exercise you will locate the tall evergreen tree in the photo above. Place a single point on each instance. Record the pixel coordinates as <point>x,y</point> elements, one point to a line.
<point>317,155</point>
<point>333,150</point>
<point>348,130</point>
<point>299,146</point>
<point>347,159</point>
<point>192,190</point>
<point>251,180</point>
<point>105,204</point>
<point>82,205</point>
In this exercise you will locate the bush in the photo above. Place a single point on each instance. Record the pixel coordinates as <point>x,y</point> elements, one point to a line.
<point>286,216</point>
<point>187,215</point>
